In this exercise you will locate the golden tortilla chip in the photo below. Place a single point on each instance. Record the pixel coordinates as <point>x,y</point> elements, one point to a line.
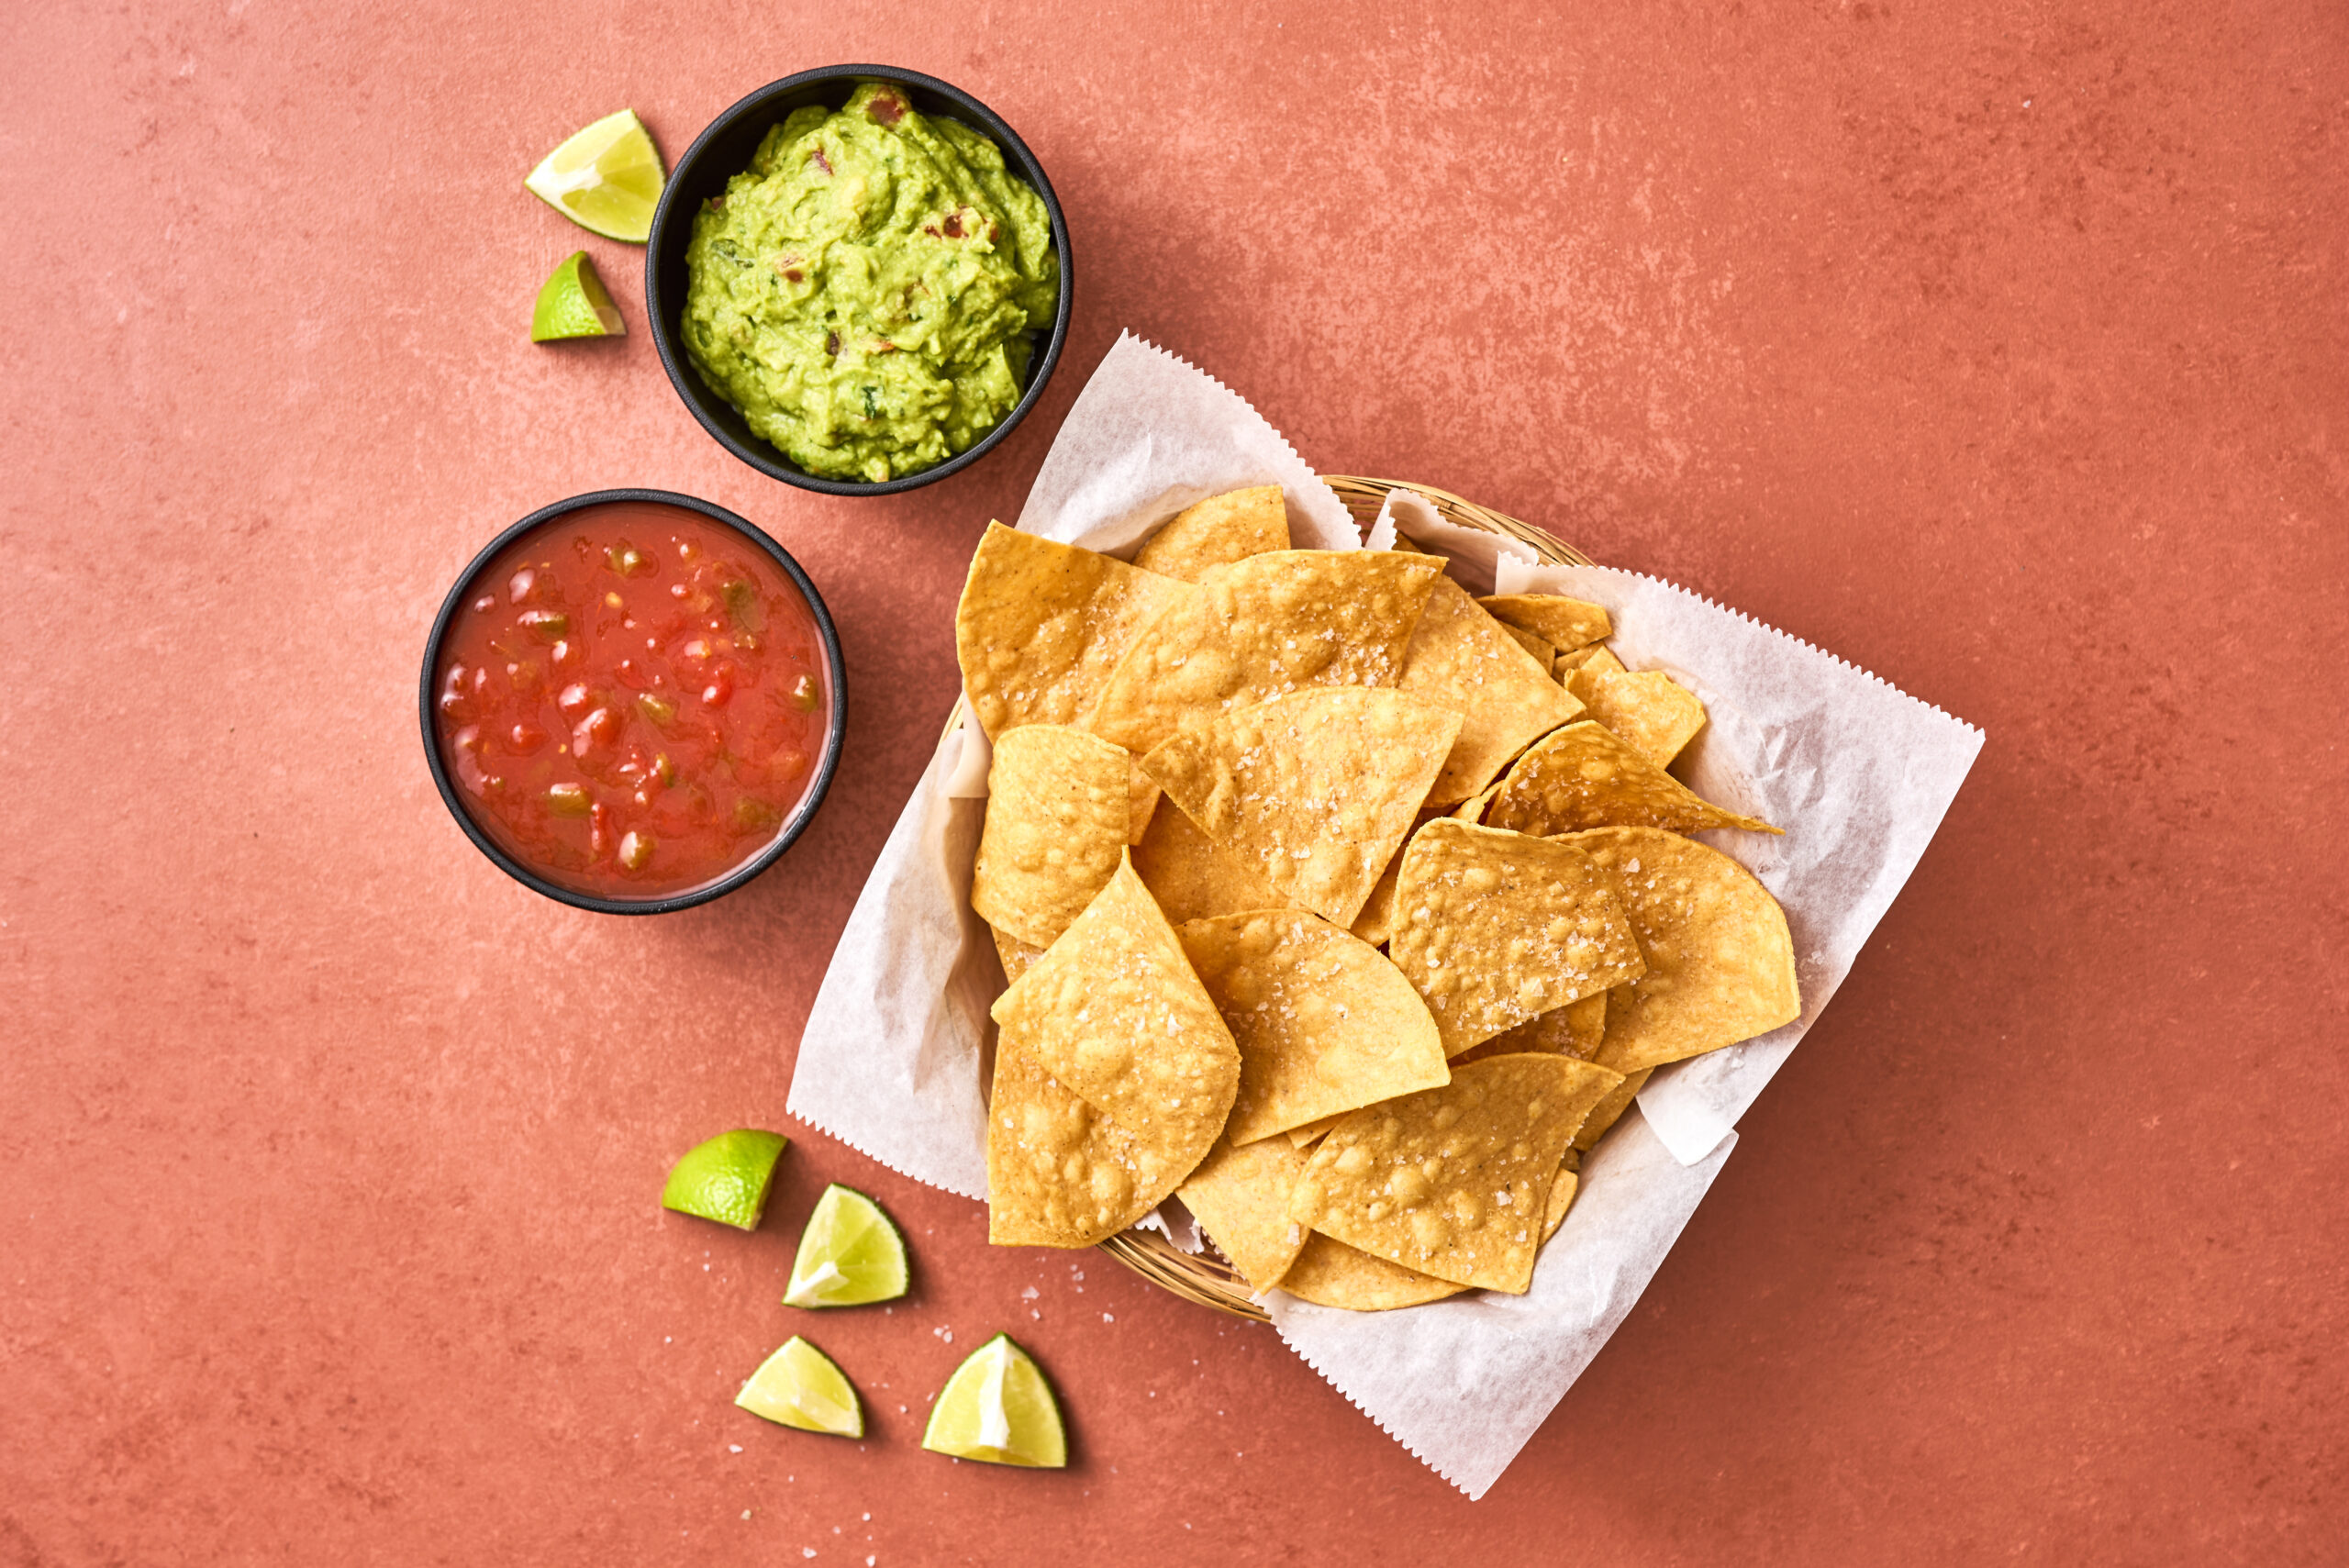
<point>1330,1273</point>
<point>1495,927</point>
<point>1573,1029</point>
<point>1655,713</point>
<point>1298,1137</point>
<point>1240,1197</point>
<point>1532,642</point>
<point>1218,531</point>
<point>1058,808</point>
<point>1191,878</point>
<point>1376,921</point>
<point>1562,1197</point>
<point>1041,625</point>
<point>1316,789</point>
<point>1114,1013</point>
<point>1584,776</point>
<point>1455,1181</point>
<point>1607,1112</point>
<point>1059,1173</point>
<point>1141,796</point>
<point>1568,623</point>
<point>1473,809</point>
<point>1721,963</point>
<point>1324,1024</point>
<point>1015,954</point>
<point>1462,659</point>
<point>1581,680</point>
<point>1261,627</point>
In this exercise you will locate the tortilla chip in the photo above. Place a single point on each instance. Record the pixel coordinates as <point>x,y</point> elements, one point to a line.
<point>1721,963</point>
<point>1495,927</point>
<point>1261,627</point>
<point>1113,1012</point>
<point>1376,921</point>
<point>1058,808</point>
<point>1606,1113</point>
<point>1191,878</point>
<point>1059,1173</point>
<point>1240,1197</point>
<point>1568,623</point>
<point>1015,954</point>
<point>1324,1024</point>
<point>1462,659</point>
<point>1218,531</point>
<point>1573,1030</point>
<point>1455,1181</point>
<point>1473,809</point>
<point>1563,1187</point>
<point>1583,678</point>
<point>1330,1274</point>
<point>1298,1137</point>
<point>1316,790</point>
<point>1655,713</point>
<point>1584,776</point>
<point>1041,625</point>
<point>1534,643</point>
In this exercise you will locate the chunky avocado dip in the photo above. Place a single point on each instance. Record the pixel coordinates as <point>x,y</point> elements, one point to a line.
<point>865,292</point>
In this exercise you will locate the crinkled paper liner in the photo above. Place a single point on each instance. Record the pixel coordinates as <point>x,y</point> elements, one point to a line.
<point>889,1061</point>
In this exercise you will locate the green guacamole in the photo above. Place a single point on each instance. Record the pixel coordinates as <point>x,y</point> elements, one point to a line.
<point>866,292</point>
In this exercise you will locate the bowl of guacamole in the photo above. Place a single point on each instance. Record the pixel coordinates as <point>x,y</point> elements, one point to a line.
<point>858,279</point>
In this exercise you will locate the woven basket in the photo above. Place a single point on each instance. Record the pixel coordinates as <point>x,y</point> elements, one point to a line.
<point>1204,1277</point>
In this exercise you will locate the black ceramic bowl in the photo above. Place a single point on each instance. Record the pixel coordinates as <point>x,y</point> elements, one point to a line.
<point>820,777</point>
<point>724,151</point>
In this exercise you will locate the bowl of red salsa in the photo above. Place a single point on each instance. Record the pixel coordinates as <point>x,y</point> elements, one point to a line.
<point>633,701</point>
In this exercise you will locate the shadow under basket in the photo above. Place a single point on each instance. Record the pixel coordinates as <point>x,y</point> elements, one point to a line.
<point>1205,1277</point>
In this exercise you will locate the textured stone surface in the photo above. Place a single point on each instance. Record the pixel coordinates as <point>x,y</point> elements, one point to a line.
<point>1997,349</point>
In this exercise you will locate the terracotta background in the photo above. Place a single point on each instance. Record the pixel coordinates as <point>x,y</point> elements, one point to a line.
<point>2003,353</point>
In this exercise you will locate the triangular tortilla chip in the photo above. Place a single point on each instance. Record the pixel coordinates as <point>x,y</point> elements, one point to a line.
<point>1572,658</point>
<point>1261,627</point>
<point>1015,954</point>
<point>1581,677</point>
<point>1041,624</point>
<point>1573,1030</point>
<point>1584,776</point>
<point>1298,1137</point>
<point>1317,789</point>
<point>1327,1272</point>
<point>1721,963</point>
<point>1113,1012</point>
<point>1376,921</point>
<point>1240,1197</point>
<point>1655,713</point>
<point>1532,642</point>
<point>1473,809</point>
<point>1455,1181</point>
<point>1323,1022</point>
<point>1462,659</point>
<point>1218,531</point>
<point>1607,1112</point>
<point>1191,878</point>
<point>1059,1173</point>
<point>1057,812</point>
<point>1495,927</point>
<point>1563,1187</point>
<point>1567,624</point>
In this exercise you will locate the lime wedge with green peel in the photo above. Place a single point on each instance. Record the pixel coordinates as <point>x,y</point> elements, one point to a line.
<point>998,1409</point>
<point>727,1178</point>
<point>799,1386</point>
<point>606,178</point>
<point>574,305</point>
<point>849,1254</point>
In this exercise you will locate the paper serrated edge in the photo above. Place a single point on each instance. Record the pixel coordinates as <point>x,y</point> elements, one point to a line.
<point>1472,1493</point>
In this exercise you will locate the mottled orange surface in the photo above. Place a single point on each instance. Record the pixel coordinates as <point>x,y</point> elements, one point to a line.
<point>1999,349</point>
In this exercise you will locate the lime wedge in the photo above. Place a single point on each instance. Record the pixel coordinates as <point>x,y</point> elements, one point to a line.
<point>849,1254</point>
<point>997,1408</point>
<point>799,1386</point>
<point>606,178</point>
<point>573,304</point>
<point>727,1178</point>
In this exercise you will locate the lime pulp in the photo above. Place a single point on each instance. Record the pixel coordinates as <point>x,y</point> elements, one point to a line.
<point>849,1254</point>
<point>998,1409</point>
<point>800,1386</point>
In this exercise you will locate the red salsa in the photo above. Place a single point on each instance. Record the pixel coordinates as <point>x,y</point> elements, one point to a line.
<point>633,700</point>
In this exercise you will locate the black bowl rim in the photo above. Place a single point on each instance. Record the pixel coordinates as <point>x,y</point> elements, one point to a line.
<point>681,375</point>
<point>835,733</point>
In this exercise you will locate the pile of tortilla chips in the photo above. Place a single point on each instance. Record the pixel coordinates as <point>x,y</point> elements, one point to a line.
<point>1344,908</point>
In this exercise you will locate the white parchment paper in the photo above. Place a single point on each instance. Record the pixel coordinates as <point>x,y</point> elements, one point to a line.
<point>1859,773</point>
